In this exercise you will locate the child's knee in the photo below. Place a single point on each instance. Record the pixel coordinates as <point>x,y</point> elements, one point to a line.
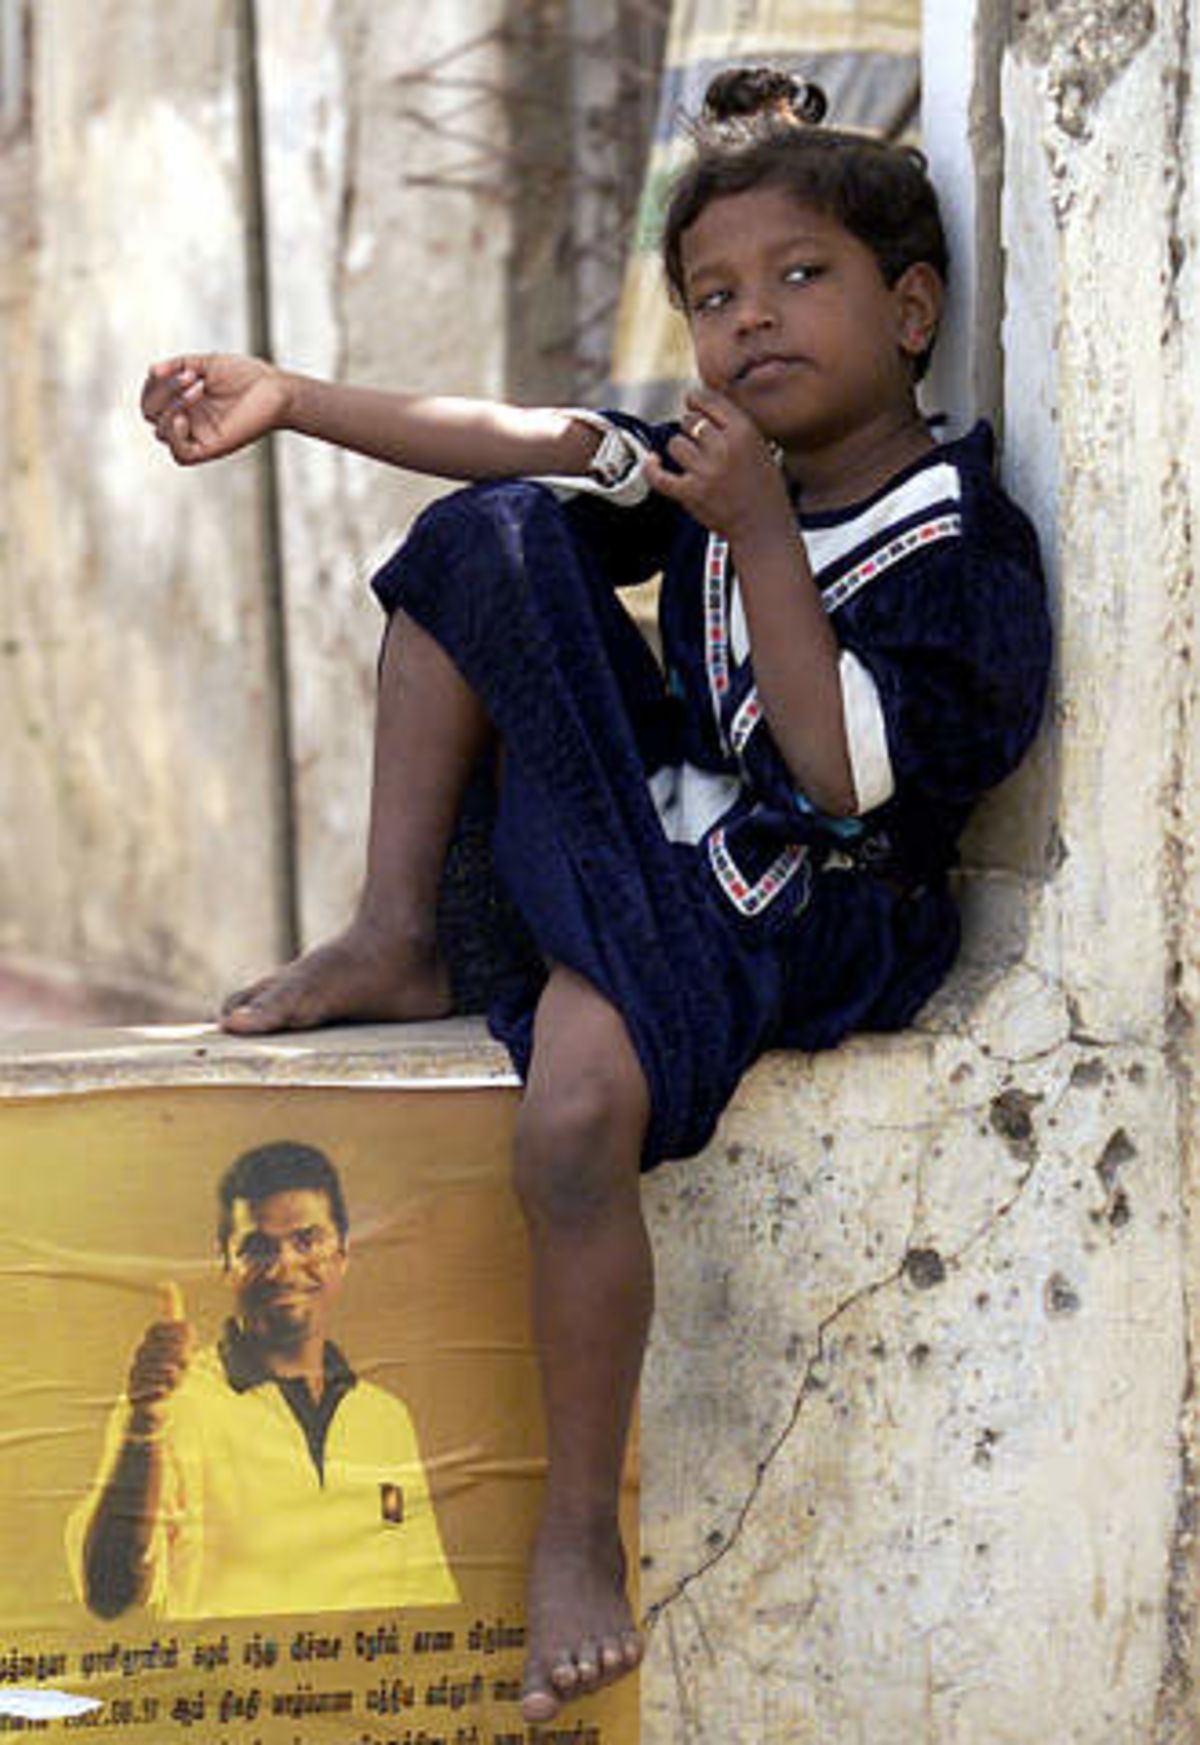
<point>486,508</point>
<point>577,1148</point>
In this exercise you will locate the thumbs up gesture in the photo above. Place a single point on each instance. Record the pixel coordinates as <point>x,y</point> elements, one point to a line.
<point>160,1361</point>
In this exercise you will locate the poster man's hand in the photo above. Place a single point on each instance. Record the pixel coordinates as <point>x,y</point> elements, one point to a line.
<point>160,1361</point>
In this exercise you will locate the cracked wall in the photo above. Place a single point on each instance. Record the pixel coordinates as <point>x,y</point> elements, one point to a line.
<point>905,1518</point>
<point>920,1390</point>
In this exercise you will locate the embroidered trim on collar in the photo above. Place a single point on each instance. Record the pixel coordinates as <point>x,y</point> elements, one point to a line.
<point>935,490</point>
<point>746,719</point>
<point>718,604</point>
<point>928,533</point>
<point>749,897</point>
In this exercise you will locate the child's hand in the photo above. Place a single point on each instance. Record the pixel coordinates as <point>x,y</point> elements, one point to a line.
<point>727,478</point>
<point>203,407</point>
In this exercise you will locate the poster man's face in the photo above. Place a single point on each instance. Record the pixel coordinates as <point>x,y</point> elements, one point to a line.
<point>286,1263</point>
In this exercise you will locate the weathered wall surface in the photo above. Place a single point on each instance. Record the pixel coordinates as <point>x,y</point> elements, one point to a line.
<point>949,1496</point>
<point>167,831</point>
<point>379,275</point>
<point>137,773</point>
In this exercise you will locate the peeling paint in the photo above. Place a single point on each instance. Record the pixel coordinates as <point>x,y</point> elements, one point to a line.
<point>1085,45</point>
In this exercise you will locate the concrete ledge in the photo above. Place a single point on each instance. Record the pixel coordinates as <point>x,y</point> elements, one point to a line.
<point>56,1062</point>
<point>73,1034</point>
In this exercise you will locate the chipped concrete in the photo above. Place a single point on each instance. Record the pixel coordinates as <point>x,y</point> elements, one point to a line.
<point>944,1394</point>
<point>1084,45</point>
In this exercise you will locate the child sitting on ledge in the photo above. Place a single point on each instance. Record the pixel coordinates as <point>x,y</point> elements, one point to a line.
<point>748,852</point>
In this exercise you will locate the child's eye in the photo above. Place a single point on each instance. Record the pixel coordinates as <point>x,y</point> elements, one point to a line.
<point>710,301</point>
<point>801,273</point>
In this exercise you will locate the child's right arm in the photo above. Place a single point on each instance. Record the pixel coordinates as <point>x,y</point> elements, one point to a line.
<point>206,406</point>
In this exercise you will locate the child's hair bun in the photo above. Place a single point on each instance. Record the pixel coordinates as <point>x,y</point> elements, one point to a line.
<point>744,94</point>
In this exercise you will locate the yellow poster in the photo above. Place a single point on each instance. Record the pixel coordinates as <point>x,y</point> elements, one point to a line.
<point>193,1540</point>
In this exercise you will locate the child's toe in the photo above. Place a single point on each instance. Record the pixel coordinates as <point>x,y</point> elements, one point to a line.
<point>538,1699</point>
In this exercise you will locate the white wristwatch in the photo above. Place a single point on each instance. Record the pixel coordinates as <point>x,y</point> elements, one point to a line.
<point>614,460</point>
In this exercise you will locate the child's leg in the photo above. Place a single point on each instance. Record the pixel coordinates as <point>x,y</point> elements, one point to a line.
<point>579,1143</point>
<point>429,732</point>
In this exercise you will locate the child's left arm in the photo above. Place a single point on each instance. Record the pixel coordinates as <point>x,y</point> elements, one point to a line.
<point>729,482</point>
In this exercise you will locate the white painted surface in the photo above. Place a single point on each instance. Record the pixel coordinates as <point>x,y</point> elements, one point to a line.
<point>137,774</point>
<point>948,94</point>
<point>379,276</point>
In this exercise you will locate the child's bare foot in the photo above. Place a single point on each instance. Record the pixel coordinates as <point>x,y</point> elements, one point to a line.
<point>581,1630</point>
<point>363,975</point>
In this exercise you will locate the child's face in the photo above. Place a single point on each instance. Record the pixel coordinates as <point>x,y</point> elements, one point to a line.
<point>791,319</point>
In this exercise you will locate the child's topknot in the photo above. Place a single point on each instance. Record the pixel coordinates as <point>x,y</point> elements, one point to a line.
<point>742,93</point>
<point>759,127</point>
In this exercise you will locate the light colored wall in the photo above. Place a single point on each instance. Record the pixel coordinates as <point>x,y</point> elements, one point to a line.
<point>137,774</point>
<point>159,827</point>
<point>378,275</point>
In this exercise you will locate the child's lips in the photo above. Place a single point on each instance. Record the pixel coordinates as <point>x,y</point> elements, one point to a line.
<point>767,367</point>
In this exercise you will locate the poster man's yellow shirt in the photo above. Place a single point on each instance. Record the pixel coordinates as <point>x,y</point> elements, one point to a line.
<point>246,1523</point>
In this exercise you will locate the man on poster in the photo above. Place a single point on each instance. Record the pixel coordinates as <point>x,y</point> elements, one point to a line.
<point>260,1475</point>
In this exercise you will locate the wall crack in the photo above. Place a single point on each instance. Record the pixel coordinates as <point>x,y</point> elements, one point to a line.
<point>811,1382</point>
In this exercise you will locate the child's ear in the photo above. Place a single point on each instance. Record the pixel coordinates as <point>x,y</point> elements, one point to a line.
<point>918,294</point>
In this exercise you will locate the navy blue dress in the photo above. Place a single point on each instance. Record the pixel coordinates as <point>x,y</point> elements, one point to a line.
<point>766,923</point>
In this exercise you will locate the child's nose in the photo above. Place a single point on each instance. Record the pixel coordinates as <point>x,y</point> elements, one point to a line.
<point>756,312</point>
